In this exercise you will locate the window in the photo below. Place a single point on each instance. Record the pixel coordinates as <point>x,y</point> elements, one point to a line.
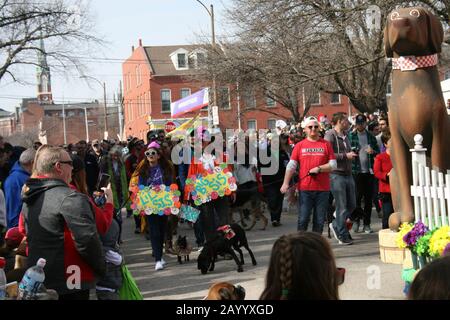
<point>184,93</point>
<point>181,60</point>
<point>138,76</point>
<point>270,102</point>
<point>315,99</point>
<point>251,124</point>
<point>389,88</point>
<point>249,99</point>
<point>335,98</point>
<point>71,113</point>
<point>271,123</point>
<point>447,75</point>
<point>223,98</point>
<point>200,59</point>
<point>165,100</point>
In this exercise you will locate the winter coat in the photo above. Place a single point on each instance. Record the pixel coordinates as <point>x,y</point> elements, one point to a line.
<point>13,189</point>
<point>51,209</point>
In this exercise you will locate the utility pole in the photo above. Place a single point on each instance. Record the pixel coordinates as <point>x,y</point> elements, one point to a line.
<point>87,124</point>
<point>238,104</point>
<point>105,111</point>
<point>64,121</point>
<point>120,106</point>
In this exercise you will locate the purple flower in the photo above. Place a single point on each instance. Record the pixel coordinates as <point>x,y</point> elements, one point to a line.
<point>446,250</point>
<point>416,232</point>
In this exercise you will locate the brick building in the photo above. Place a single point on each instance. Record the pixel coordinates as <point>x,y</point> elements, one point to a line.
<point>43,118</point>
<point>155,76</point>
<point>7,123</point>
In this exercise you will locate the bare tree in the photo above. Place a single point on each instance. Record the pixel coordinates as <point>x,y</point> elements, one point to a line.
<point>292,47</point>
<point>66,25</point>
<point>24,138</point>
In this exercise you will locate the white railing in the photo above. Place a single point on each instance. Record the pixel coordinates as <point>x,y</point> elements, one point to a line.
<point>430,189</point>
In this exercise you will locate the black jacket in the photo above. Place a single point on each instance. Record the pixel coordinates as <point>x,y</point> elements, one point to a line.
<point>49,206</point>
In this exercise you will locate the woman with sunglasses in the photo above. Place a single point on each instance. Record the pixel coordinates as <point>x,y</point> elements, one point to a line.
<point>316,159</point>
<point>156,170</point>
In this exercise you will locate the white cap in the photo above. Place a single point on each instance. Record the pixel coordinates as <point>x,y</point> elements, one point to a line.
<point>41,262</point>
<point>308,120</point>
<point>280,124</point>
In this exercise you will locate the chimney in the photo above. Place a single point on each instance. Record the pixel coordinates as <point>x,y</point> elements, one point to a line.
<point>132,49</point>
<point>140,42</point>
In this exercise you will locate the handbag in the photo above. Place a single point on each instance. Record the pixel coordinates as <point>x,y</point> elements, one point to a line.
<point>129,289</point>
<point>189,213</point>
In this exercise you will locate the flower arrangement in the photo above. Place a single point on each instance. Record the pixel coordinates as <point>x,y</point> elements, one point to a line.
<point>439,241</point>
<point>418,231</point>
<point>423,244</point>
<point>404,229</point>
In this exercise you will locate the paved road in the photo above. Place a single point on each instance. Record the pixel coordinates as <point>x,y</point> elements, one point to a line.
<point>367,277</point>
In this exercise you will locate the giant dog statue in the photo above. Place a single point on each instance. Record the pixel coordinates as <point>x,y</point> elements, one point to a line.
<point>413,38</point>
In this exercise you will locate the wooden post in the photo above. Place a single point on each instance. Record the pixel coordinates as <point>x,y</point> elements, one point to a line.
<point>418,157</point>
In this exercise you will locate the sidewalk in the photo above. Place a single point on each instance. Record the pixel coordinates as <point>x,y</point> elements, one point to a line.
<point>367,278</point>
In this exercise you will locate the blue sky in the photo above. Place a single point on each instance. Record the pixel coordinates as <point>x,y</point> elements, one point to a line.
<point>156,22</point>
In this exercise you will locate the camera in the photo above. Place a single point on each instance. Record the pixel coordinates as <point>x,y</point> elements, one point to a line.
<point>355,150</point>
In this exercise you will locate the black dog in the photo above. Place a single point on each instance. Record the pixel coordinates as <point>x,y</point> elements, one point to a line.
<point>220,244</point>
<point>182,249</point>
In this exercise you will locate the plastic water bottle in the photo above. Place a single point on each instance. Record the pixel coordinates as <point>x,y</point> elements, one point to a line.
<point>32,281</point>
<point>2,279</point>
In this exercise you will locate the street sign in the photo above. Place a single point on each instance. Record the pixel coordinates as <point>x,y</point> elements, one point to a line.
<point>170,126</point>
<point>215,115</point>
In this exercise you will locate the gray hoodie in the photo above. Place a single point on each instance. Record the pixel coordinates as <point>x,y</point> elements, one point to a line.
<point>341,146</point>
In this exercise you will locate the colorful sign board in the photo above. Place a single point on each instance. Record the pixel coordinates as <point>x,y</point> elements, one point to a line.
<point>190,103</point>
<point>211,185</point>
<point>161,200</point>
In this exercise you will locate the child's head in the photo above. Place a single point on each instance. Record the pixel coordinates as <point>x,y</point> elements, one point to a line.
<point>432,282</point>
<point>302,266</point>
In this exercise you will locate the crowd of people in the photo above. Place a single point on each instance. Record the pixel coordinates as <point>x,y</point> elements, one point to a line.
<point>51,204</point>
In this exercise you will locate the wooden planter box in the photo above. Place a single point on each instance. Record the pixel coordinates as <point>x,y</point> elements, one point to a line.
<point>389,252</point>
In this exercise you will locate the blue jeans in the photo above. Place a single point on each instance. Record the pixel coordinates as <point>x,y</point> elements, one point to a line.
<point>316,201</point>
<point>157,225</point>
<point>343,190</point>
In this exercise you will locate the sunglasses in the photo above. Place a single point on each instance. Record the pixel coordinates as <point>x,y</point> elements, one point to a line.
<point>311,127</point>
<point>150,153</point>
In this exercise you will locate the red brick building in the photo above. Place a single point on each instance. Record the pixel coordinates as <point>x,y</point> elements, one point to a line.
<point>156,76</point>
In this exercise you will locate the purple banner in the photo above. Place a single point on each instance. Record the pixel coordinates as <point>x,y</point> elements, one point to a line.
<point>190,103</point>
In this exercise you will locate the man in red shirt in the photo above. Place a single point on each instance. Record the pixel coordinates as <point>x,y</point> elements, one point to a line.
<point>316,159</point>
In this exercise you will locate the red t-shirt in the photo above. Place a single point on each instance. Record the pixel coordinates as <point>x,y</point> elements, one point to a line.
<point>311,154</point>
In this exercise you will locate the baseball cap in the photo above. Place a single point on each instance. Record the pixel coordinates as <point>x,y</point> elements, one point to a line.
<point>360,119</point>
<point>14,236</point>
<point>308,120</point>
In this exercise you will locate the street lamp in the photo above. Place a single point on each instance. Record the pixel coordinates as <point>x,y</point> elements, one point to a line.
<point>104,100</point>
<point>211,14</point>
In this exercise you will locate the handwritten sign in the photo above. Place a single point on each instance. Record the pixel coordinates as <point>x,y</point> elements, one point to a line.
<point>161,200</point>
<point>211,185</point>
<point>189,213</point>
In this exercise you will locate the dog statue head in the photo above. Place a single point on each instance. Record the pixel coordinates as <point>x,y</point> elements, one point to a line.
<point>204,260</point>
<point>225,291</point>
<point>412,32</point>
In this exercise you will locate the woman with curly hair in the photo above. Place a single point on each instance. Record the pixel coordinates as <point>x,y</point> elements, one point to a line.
<point>302,267</point>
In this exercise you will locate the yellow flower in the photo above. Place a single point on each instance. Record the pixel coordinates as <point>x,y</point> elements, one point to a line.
<point>439,240</point>
<point>404,229</point>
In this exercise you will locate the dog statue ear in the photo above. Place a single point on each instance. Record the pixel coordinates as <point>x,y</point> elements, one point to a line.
<point>225,294</point>
<point>435,33</point>
<point>387,45</point>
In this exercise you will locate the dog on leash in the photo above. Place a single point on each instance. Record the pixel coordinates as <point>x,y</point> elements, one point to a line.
<point>182,249</point>
<point>225,239</point>
<point>225,291</point>
<point>255,205</point>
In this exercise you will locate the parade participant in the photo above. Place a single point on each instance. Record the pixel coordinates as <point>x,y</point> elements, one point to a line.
<point>316,159</point>
<point>342,183</point>
<point>302,267</point>
<point>50,204</point>
<point>156,170</point>
<point>219,206</point>
<point>90,165</point>
<point>383,168</point>
<point>272,182</point>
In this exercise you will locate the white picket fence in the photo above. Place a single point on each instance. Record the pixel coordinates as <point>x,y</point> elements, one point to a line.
<point>430,189</point>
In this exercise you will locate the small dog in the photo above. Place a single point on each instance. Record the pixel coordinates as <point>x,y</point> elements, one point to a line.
<point>225,291</point>
<point>225,239</point>
<point>182,249</point>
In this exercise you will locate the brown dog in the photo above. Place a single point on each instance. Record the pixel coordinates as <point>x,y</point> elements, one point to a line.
<point>225,291</point>
<point>416,106</point>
